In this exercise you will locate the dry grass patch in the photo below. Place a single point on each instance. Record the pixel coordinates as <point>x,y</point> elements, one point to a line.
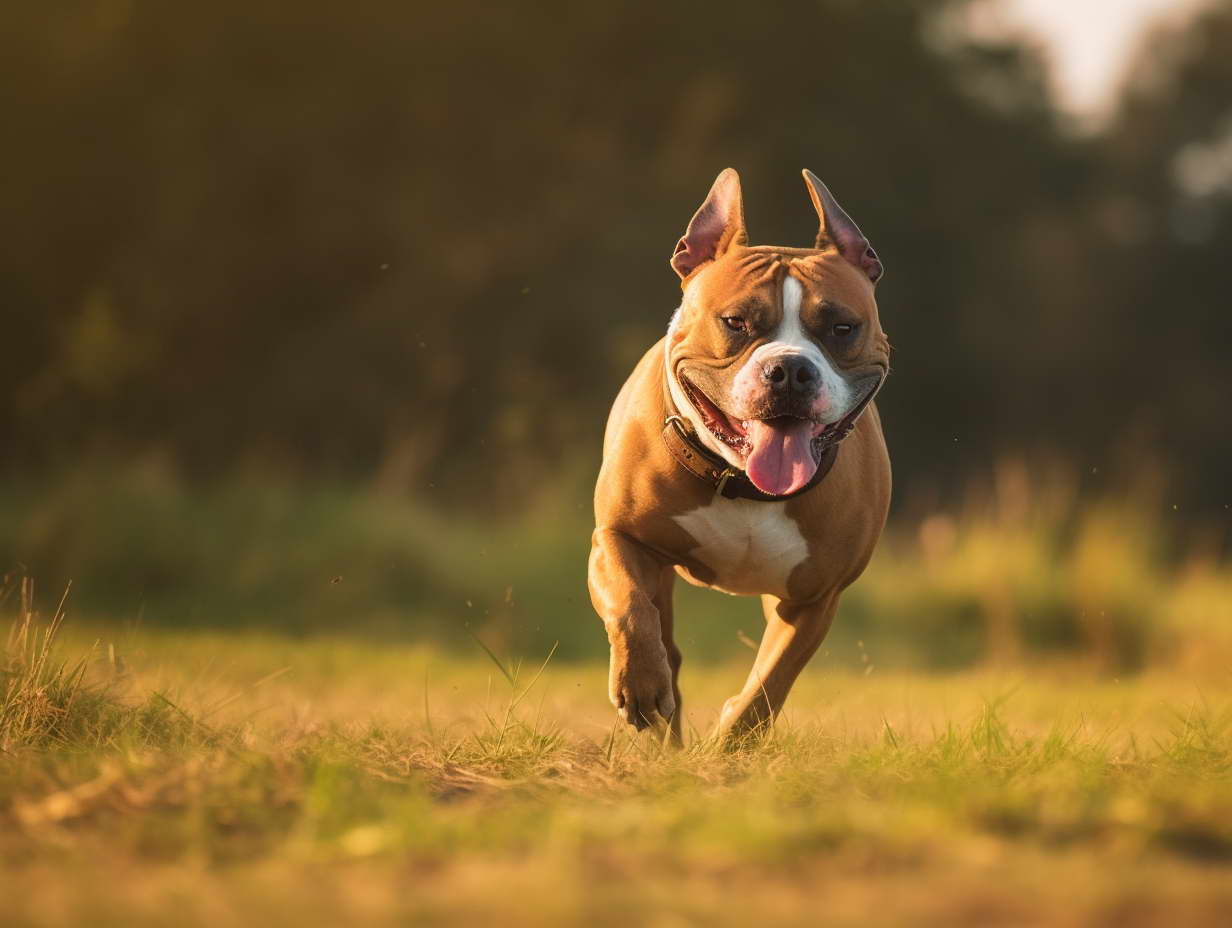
<point>220,779</point>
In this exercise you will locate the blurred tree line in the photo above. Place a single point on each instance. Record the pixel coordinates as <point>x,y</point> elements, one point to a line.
<point>421,244</point>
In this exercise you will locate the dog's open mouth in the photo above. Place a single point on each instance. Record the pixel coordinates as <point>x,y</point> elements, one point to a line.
<point>779,454</point>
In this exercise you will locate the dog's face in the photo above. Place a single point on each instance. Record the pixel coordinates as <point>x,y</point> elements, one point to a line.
<point>774,347</point>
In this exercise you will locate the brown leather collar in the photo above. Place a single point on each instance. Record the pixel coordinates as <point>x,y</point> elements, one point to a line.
<point>727,480</point>
<point>732,483</point>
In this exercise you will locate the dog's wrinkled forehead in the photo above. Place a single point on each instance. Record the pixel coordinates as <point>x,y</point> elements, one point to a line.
<point>752,277</point>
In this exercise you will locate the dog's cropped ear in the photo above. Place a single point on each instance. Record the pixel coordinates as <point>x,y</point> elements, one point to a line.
<point>715,227</point>
<point>838,230</point>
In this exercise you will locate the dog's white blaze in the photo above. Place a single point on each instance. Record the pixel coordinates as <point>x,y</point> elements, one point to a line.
<point>790,338</point>
<point>752,546</point>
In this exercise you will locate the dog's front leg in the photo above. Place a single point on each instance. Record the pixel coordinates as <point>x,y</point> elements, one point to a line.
<point>624,581</point>
<point>793,633</point>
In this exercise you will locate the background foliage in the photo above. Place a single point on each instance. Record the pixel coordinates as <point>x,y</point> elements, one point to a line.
<point>274,279</point>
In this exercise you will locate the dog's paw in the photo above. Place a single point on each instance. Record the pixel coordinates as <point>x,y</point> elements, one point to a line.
<point>640,685</point>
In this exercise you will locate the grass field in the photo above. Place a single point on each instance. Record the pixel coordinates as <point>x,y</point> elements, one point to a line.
<point>196,778</point>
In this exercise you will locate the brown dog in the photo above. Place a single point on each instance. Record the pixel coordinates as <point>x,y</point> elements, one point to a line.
<point>721,459</point>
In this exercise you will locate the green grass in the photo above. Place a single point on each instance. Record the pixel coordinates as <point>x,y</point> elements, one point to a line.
<point>244,778</point>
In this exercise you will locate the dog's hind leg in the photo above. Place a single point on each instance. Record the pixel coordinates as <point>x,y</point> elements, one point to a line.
<point>663,602</point>
<point>793,633</point>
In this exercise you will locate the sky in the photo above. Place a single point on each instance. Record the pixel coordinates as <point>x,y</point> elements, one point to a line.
<point>1088,41</point>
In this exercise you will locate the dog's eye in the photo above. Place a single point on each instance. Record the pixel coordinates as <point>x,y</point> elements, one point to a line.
<point>735,323</point>
<point>843,329</point>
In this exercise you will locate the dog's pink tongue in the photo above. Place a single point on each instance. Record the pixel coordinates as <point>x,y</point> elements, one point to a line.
<point>782,460</point>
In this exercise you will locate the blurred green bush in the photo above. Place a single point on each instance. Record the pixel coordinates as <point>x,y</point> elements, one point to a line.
<point>1021,568</point>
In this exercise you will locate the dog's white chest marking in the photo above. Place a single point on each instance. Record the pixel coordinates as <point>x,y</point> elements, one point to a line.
<point>751,546</point>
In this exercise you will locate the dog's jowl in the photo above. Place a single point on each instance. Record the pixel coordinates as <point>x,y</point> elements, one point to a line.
<point>744,453</point>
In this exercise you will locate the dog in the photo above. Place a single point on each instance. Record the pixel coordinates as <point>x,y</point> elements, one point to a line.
<point>744,454</point>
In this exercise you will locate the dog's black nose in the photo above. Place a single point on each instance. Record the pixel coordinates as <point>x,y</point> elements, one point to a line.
<point>790,372</point>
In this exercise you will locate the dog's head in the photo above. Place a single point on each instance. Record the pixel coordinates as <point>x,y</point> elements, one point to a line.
<point>773,348</point>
